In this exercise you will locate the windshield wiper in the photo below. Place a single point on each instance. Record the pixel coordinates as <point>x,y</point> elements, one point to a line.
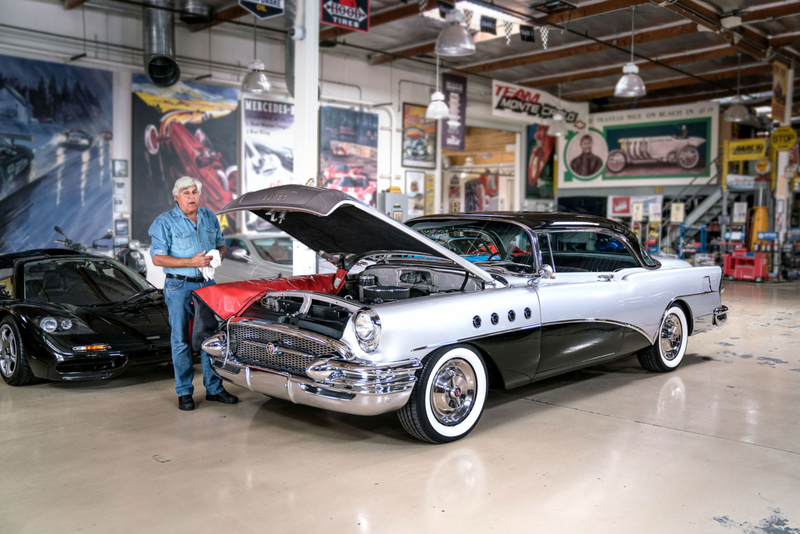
<point>139,295</point>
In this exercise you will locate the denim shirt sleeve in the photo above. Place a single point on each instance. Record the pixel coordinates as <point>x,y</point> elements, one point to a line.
<point>219,237</point>
<point>160,239</point>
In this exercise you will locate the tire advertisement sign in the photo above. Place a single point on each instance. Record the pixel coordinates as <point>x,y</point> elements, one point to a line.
<point>641,147</point>
<point>350,14</point>
<point>534,106</point>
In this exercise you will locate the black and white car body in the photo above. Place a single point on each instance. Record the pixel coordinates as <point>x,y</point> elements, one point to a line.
<point>432,314</point>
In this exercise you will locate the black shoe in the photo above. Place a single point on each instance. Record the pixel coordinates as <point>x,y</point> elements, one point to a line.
<point>185,402</point>
<point>224,397</point>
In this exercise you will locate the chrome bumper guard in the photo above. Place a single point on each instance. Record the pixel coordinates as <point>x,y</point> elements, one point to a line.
<point>347,386</point>
<point>720,316</point>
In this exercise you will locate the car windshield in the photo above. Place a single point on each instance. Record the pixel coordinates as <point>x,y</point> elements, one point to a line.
<point>482,241</point>
<point>80,281</point>
<point>274,249</point>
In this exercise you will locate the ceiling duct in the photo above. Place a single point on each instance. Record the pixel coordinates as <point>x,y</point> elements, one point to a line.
<point>290,15</point>
<point>158,26</point>
<point>194,12</point>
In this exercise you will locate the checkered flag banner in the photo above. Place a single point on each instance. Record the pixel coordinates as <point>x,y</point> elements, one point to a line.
<point>468,16</point>
<point>544,30</point>
<point>509,28</point>
<point>423,4</point>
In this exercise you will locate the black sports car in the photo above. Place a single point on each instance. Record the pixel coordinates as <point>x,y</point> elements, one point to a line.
<point>14,158</point>
<point>67,315</point>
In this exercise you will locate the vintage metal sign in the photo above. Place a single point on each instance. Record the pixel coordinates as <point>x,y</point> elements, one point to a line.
<point>264,9</point>
<point>350,14</point>
<point>783,138</point>
<point>532,105</point>
<point>455,96</point>
<point>747,149</point>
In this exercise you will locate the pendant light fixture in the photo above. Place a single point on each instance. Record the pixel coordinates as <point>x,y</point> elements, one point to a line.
<point>558,127</point>
<point>737,112</point>
<point>255,82</point>
<point>437,108</point>
<point>454,39</point>
<point>631,84</point>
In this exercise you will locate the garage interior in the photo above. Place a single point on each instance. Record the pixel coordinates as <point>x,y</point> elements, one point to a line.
<point>701,167</point>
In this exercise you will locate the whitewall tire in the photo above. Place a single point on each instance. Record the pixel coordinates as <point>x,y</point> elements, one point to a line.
<point>669,349</point>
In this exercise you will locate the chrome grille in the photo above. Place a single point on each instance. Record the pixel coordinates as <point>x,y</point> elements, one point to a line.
<point>254,346</point>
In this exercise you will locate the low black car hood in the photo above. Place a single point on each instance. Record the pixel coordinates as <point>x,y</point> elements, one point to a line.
<point>331,221</point>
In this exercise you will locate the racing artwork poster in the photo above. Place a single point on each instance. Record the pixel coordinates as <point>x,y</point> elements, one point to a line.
<point>189,129</point>
<point>419,138</point>
<point>55,153</point>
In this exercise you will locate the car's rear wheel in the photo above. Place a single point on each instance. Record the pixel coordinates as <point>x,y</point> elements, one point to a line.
<point>449,396</point>
<point>13,364</point>
<point>666,354</point>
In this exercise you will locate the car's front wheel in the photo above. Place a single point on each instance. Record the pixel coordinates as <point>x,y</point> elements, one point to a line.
<point>448,399</point>
<point>667,352</point>
<point>13,364</point>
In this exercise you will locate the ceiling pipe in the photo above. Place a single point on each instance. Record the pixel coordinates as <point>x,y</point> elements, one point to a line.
<point>158,27</point>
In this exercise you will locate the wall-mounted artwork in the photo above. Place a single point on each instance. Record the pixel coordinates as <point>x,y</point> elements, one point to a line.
<point>55,153</point>
<point>189,129</point>
<point>419,138</point>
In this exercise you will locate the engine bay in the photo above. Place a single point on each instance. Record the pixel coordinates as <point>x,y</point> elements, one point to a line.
<point>388,282</point>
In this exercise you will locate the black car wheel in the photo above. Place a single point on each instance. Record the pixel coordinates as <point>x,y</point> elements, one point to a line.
<point>449,396</point>
<point>666,354</point>
<point>13,364</point>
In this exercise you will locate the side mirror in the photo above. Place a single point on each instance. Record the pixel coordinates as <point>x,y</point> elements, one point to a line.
<point>241,254</point>
<point>546,272</point>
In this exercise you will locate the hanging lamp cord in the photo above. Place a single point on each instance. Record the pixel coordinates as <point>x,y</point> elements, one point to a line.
<point>633,35</point>
<point>255,27</point>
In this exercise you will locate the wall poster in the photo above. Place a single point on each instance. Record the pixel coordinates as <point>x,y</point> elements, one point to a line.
<point>189,129</point>
<point>780,84</point>
<point>640,147</point>
<point>455,96</point>
<point>55,153</point>
<point>348,152</point>
<point>415,191</point>
<point>541,149</point>
<point>419,138</point>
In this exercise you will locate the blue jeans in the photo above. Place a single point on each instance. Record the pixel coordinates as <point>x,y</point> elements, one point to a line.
<point>178,295</point>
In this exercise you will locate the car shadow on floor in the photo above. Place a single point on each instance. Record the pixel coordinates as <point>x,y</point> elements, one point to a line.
<point>140,374</point>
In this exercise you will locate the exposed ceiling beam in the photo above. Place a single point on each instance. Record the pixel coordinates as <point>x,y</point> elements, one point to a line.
<point>701,55</point>
<point>642,36</point>
<point>784,9</point>
<point>597,8</point>
<point>229,13</point>
<point>379,19</point>
<point>72,4</point>
<point>677,82</point>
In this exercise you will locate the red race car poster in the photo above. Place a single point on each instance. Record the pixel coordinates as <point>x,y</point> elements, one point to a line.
<point>189,129</point>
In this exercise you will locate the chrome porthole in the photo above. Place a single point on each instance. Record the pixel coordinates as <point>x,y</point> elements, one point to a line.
<point>454,392</point>
<point>671,337</point>
<point>511,316</point>
<point>8,351</point>
<point>476,321</point>
<point>527,313</point>
<point>495,318</point>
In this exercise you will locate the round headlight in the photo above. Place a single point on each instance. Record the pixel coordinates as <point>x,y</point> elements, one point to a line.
<point>66,324</point>
<point>48,324</point>
<point>367,326</point>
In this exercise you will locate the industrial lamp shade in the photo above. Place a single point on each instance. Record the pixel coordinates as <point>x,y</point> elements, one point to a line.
<point>454,39</point>
<point>737,112</point>
<point>558,127</point>
<point>437,108</point>
<point>631,84</point>
<point>256,81</point>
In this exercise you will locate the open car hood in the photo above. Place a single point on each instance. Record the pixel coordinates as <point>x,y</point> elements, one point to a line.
<point>331,221</point>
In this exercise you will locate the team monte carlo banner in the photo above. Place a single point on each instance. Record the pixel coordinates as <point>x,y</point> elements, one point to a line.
<point>534,106</point>
<point>641,147</point>
<point>350,14</point>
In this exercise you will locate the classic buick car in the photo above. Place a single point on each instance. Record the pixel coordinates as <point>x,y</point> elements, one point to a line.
<point>68,315</point>
<point>423,319</point>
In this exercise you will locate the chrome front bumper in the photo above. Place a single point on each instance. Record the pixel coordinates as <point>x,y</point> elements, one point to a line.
<point>347,386</point>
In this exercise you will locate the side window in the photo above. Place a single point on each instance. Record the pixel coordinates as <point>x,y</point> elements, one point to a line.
<point>589,252</point>
<point>6,283</point>
<point>544,247</point>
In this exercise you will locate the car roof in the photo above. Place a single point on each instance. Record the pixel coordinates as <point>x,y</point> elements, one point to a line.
<point>8,260</point>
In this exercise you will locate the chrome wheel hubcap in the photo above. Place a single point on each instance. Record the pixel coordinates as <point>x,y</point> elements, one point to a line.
<point>8,351</point>
<point>671,337</point>
<point>453,392</point>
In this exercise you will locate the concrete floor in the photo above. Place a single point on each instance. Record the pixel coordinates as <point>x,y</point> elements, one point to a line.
<point>711,447</point>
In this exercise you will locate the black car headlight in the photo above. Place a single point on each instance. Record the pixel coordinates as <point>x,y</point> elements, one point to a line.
<point>367,326</point>
<point>62,325</point>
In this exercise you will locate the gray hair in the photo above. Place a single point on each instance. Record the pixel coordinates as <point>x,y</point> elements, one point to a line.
<point>185,181</point>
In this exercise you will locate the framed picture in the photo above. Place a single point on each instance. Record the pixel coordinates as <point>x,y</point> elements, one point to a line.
<point>120,168</point>
<point>419,138</point>
<point>121,242</point>
<point>121,226</point>
<point>120,186</point>
<point>120,205</point>
<point>415,191</point>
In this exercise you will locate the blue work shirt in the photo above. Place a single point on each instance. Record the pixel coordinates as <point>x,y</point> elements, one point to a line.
<point>173,234</point>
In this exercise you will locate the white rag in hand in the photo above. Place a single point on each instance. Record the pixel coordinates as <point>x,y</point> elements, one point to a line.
<point>208,272</point>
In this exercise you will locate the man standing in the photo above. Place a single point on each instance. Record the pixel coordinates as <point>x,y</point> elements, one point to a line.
<point>180,239</point>
<point>587,163</point>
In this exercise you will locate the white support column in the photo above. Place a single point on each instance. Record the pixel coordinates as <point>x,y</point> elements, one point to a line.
<point>306,112</point>
<point>782,193</point>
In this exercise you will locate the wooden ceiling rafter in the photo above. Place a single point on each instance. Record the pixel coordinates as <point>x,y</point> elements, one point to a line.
<point>785,9</point>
